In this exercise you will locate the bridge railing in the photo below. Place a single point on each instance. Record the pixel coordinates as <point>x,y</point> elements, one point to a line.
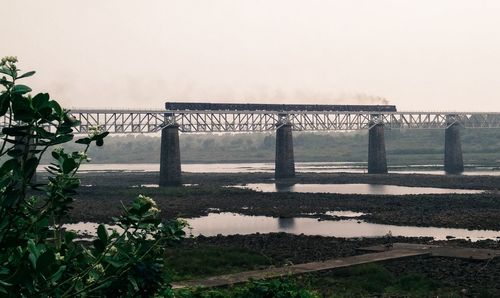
<point>147,121</point>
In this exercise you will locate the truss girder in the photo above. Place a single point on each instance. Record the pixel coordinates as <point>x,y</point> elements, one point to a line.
<point>137,121</point>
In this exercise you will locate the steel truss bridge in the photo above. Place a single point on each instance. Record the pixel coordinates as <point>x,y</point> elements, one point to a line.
<point>204,121</point>
<point>137,121</point>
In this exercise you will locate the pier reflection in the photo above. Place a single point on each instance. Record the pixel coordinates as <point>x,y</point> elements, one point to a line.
<point>286,223</point>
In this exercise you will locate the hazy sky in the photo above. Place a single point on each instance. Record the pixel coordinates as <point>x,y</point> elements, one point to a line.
<point>418,55</point>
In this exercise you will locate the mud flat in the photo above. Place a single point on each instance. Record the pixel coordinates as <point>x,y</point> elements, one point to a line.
<point>128,178</point>
<point>100,196</point>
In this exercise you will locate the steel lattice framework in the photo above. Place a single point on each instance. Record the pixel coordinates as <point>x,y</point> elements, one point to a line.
<point>249,121</point>
<point>152,121</point>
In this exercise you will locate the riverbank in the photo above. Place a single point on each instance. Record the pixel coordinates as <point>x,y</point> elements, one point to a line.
<point>102,193</point>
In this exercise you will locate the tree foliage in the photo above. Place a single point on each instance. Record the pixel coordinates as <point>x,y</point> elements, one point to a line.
<point>38,257</point>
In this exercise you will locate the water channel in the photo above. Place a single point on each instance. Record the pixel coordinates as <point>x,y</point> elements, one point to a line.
<point>373,189</point>
<point>301,167</point>
<point>232,223</point>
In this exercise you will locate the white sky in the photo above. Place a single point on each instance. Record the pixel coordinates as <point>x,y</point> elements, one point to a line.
<point>419,55</point>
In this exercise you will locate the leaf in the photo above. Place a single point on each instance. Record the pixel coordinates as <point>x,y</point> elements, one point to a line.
<point>69,237</point>
<point>57,108</point>
<point>28,74</point>
<point>68,165</point>
<point>84,141</point>
<point>62,139</point>
<point>102,234</point>
<point>55,154</point>
<point>8,166</point>
<point>134,283</point>
<point>20,89</point>
<point>63,129</point>
<point>9,199</point>
<point>15,131</point>
<point>103,135</point>
<point>30,167</point>
<point>45,261</point>
<point>99,246</point>
<point>34,252</point>
<point>103,285</point>
<point>15,152</point>
<point>7,71</point>
<point>4,104</point>
<point>21,108</point>
<point>56,276</point>
<point>40,100</point>
<point>115,263</point>
<point>41,132</point>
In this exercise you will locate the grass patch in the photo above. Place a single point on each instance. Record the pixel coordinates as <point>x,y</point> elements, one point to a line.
<point>373,280</point>
<point>205,260</point>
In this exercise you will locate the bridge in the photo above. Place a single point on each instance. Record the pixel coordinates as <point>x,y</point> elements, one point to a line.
<point>283,119</point>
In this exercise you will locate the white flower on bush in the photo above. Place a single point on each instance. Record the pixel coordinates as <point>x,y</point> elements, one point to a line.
<point>99,268</point>
<point>95,131</point>
<point>146,199</point>
<point>113,250</point>
<point>8,59</point>
<point>59,257</point>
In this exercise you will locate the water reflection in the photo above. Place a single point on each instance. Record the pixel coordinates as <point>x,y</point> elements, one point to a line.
<point>342,213</point>
<point>301,167</point>
<point>231,223</point>
<point>286,223</point>
<point>284,187</point>
<point>374,189</point>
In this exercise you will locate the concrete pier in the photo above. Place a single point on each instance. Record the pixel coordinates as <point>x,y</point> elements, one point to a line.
<point>284,161</point>
<point>170,160</point>
<point>377,162</point>
<point>453,160</point>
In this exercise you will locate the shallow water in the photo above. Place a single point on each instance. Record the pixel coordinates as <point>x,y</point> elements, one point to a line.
<point>342,213</point>
<point>232,223</point>
<point>301,167</point>
<point>374,189</point>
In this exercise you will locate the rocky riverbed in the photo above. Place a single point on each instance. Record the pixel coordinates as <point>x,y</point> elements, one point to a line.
<point>99,199</point>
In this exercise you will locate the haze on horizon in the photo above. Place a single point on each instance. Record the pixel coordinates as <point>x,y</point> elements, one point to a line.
<point>418,55</point>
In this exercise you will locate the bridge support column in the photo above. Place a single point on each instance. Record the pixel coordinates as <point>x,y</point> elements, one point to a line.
<point>170,160</point>
<point>377,162</point>
<point>284,160</point>
<point>453,160</point>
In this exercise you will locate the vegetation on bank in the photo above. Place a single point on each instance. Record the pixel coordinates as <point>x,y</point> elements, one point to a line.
<point>38,256</point>
<point>404,147</point>
<point>370,280</point>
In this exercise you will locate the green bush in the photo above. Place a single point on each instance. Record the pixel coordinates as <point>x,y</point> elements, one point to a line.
<point>38,257</point>
<point>277,288</point>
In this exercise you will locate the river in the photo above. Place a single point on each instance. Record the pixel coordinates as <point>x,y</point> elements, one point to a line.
<point>301,167</point>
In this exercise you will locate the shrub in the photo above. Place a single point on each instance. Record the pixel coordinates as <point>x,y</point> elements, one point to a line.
<point>38,257</point>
